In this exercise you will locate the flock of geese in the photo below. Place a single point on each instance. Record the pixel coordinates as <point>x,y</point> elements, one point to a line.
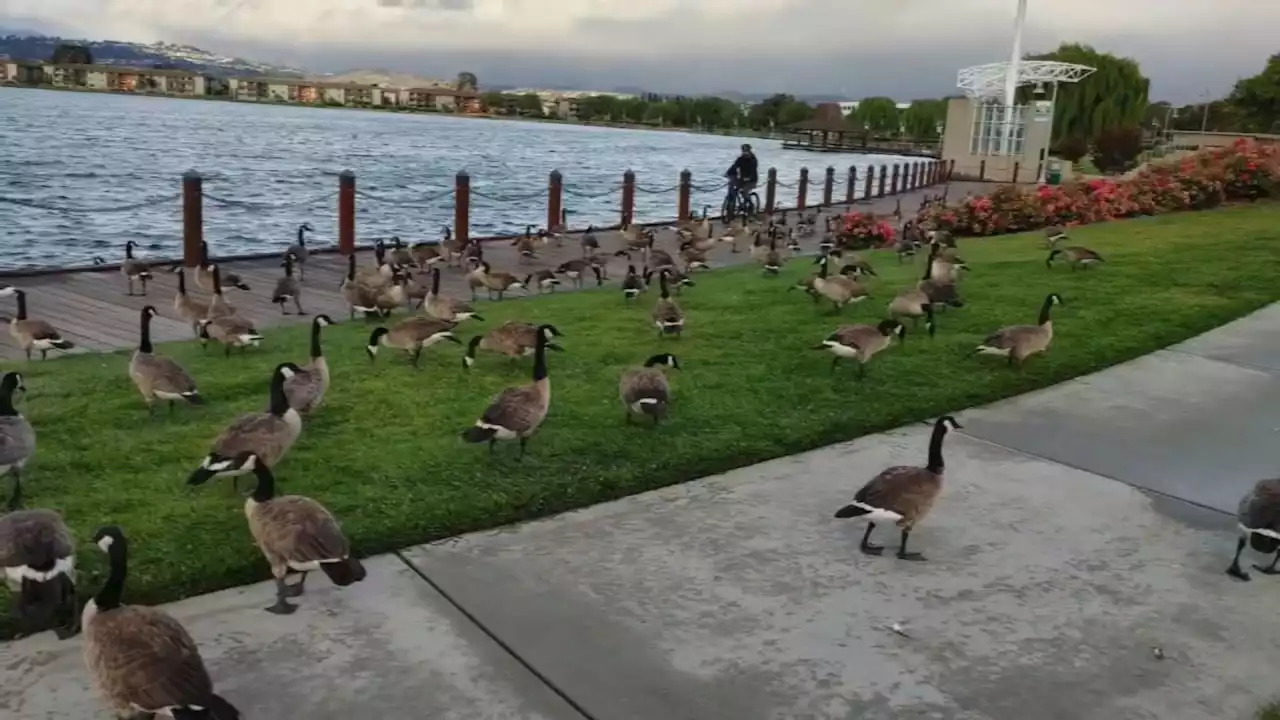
<point>142,660</point>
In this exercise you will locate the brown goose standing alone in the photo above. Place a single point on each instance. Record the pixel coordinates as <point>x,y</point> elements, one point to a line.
<point>517,412</point>
<point>158,377</point>
<point>861,342</point>
<point>667,315</point>
<point>299,249</point>
<point>288,288</point>
<point>1019,342</point>
<point>134,269</point>
<point>33,334</point>
<point>902,494</point>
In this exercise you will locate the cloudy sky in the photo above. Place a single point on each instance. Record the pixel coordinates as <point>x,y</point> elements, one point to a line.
<point>901,48</point>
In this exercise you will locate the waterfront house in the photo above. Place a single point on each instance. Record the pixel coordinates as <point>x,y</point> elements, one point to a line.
<point>440,99</point>
<point>21,72</point>
<point>251,89</point>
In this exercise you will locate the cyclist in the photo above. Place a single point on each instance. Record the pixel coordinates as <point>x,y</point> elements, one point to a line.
<point>742,175</point>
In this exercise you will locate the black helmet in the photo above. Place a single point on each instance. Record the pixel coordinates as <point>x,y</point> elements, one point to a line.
<point>746,147</point>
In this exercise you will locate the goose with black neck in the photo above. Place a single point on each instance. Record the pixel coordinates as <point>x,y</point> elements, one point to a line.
<point>517,412</point>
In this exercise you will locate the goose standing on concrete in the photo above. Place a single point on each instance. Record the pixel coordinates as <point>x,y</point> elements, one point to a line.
<point>517,412</point>
<point>17,437</point>
<point>140,658</point>
<point>188,308</point>
<point>1019,342</point>
<point>1258,518</point>
<point>39,560</point>
<point>205,272</point>
<point>33,334</point>
<point>902,494</point>
<point>134,269</point>
<point>299,249</point>
<point>269,435</point>
<point>645,390</point>
<point>306,388</point>
<point>156,376</point>
<point>288,288</point>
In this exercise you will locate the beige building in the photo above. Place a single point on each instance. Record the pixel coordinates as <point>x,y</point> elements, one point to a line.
<point>975,135</point>
<point>18,72</point>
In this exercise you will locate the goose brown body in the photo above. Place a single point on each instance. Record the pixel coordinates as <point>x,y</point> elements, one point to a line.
<point>841,289</point>
<point>412,335</point>
<point>306,389</point>
<point>517,412</point>
<point>512,338</point>
<point>268,435</point>
<point>667,315</point>
<point>30,333</point>
<point>288,288</point>
<point>645,390</point>
<point>442,307</point>
<point>187,307</point>
<point>134,269</point>
<point>1019,342</point>
<point>38,558</point>
<point>158,377</point>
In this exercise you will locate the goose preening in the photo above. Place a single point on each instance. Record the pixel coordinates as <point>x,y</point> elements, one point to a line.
<point>1078,257</point>
<point>1258,519</point>
<point>861,342</point>
<point>296,535</point>
<point>446,308</point>
<point>306,388</point>
<point>576,269</point>
<point>667,315</point>
<point>188,308</point>
<point>38,555</point>
<point>299,249</point>
<point>645,390</point>
<point>288,288</point>
<point>412,335</point>
<point>140,658</point>
<point>1019,342</point>
<point>17,437</point>
<point>156,376</point>
<point>269,435</point>
<point>516,413</point>
<point>513,339</point>
<point>902,494</point>
<point>33,334</point>
<point>134,269</point>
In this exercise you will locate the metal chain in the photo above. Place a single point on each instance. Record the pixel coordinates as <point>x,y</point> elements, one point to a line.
<point>651,191</point>
<point>591,196</point>
<point>228,202</point>
<point>713,188</point>
<point>420,202</point>
<point>74,210</point>
<point>508,198</point>
<point>779,183</point>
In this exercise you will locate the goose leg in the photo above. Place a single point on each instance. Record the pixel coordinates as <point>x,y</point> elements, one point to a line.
<point>144,287</point>
<point>44,354</point>
<point>416,355</point>
<point>862,370</point>
<point>15,500</point>
<point>523,441</point>
<point>492,443</point>
<point>296,589</point>
<point>866,547</point>
<point>1270,569</point>
<point>902,549</point>
<point>282,606</point>
<point>835,361</point>
<point>129,281</point>
<point>1235,571</point>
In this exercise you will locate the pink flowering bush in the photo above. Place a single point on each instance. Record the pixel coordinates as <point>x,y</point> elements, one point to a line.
<point>1245,171</point>
<point>864,230</point>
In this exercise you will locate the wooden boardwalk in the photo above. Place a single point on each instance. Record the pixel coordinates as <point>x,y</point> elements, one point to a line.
<point>91,308</point>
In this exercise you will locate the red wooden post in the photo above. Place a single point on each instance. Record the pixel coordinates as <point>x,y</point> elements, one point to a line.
<point>802,196</point>
<point>893,185</point>
<point>852,186</point>
<point>884,175</point>
<point>192,218</point>
<point>771,190</point>
<point>555,187</point>
<point>686,184</point>
<point>828,185</point>
<point>1016,167</point>
<point>462,206</point>
<point>628,197</point>
<point>346,212</point>
<point>871,177</point>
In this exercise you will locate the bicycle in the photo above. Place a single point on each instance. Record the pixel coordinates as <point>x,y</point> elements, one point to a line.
<point>740,203</point>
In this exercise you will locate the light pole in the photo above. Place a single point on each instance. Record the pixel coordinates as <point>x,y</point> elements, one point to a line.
<point>1011,78</point>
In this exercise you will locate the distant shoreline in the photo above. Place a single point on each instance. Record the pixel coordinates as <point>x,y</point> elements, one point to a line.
<point>400,110</point>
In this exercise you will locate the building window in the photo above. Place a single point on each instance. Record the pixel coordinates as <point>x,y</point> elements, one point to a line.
<point>990,127</point>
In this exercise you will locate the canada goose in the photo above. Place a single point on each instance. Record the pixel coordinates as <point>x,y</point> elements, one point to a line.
<point>305,390</point>
<point>806,284</point>
<point>793,245</point>
<point>156,376</point>
<point>861,342</point>
<point>660,259</point>
<point>644,390</point>
<point>1053,235</point>
<point>218,305</point>
<point>590,243</point>
<point>140,658</point>
<point>678,280</point>
<point>902,494</point>
<point>560,229</point>
<point>636,237</point>
<point>525,245</point>
<point>1258,518</point>
<point>17,437</point>
<point>400,254</point>
<point>427,254</point>
<point>189,309</point>
<point>941,294</point>
<point>1019,342</point>
<point>296,535</point>
<point>759,248</point>
<point>828,243</point>
<point>205,272</point>
<point>1076,256</point>
<point>288,288</point>
<point>413,335</point>
<point>393,294</point>
<point>517,411</point>
<point>39,560</point>
<point>232,331</point>
<point>574,270</point>
<point>499,282</point>
<point>359,296</point>
<point>451,247</point>
<point>667,315</point>
<point>864,267</point>
<point>446,308</point>
<point>772,260</point>
<point>299,249</point>
<point>268,434</point>
<point>134,269</point>
<point>946,268</point>
<point>33,334</point>
<point>841,289</point>
<point>736,233</point>
<point>511,338</point>
<point>632,284</point>
<point>694,258</point>
<point>908,242</point>
<point>543,280</point>
<point>915,304</point>
<point>897,209</point>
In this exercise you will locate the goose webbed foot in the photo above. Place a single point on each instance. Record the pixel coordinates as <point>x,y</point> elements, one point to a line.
<point>902,549</point>
<point>1235,572</point>
<point>282,606</point>
<point>1270,569</point>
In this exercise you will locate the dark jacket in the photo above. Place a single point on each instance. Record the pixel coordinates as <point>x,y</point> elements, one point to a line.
<point>744,168</point>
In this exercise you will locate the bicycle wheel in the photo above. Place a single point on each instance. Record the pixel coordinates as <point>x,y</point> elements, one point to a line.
<point>727,210</point>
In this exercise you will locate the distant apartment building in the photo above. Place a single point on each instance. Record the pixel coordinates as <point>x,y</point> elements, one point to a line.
<point>18,72</point>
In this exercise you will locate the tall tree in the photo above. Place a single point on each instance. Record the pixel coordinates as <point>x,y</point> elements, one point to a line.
<point>924,119</point>
<point>1115,95</point>
<point>71,54</point>
<point>878,115</point>
<point>1256,100</point>
<point>467,81</point>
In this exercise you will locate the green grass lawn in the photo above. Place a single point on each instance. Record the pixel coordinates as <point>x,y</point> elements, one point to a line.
<point>1270,712</point>
<point>385,456</point>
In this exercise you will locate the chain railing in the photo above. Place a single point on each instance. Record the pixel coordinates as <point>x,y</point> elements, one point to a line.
<point>637,202</point>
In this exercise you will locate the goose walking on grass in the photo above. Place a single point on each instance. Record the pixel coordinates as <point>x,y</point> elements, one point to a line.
<point>140,658</point>
<point>134,269</point>
<point>158,377</point>
<point>299,250</point>
<point>188,308</point>
<point>269,435</point>
<point>441,307</point>
<point>32,334</point>
<point>513,339</point>
<point>307,387</point>
<point>667,315</point>
<point>17,437</point>
<point>231,331</point>
<point>1258,519</point>
<point>645,390</point>
<point>902,494</point>
<point>1019,342</point>
<point>288,288</point>
<point>840,290</point>
<point>517,412</point>
<point>38,556</point>
<point>412,335</point>
<point>296,535</point>
<point>861,342</point>
<point>1077,257</point>
<point>941,294</point>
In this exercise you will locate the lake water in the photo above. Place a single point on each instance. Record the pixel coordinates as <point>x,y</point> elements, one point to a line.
<point>93,158</point>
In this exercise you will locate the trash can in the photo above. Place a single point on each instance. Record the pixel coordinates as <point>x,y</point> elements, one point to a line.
<point>1053,173</point>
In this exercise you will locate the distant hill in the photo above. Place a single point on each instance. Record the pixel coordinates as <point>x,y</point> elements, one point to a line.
<point>114,52</point>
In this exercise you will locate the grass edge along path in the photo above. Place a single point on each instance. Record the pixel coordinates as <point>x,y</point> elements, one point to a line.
<point>384,453</point>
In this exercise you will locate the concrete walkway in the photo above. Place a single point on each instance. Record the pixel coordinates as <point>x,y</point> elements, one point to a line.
<point>1048,584</point>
